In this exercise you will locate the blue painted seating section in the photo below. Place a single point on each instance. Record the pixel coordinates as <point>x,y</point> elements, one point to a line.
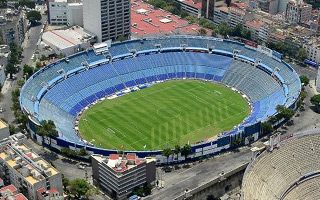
<point>72,96</point>
<point>68,97</point>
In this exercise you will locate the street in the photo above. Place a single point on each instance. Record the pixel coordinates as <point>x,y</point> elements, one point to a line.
<point>29,46</point>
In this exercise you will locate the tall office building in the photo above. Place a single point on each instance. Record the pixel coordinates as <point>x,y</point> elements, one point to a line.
<point>208,7</point>
<point>107,19</point>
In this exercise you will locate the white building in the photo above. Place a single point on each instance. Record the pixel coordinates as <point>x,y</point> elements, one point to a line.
<point>58,12</point>
<point>231,15</point>
<point>75,14</point>
<point>298,12</point>
<point>107,19</point>
<point>67,41</point>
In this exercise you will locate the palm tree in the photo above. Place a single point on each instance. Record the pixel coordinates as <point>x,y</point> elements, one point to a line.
<point>167,152</point>
<point>177,150</point>
<point>186,151</point>
<point>47,129</point>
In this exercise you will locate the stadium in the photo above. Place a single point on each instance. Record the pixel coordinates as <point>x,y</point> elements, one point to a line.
<point>206,81</point>
<point>289,170</point>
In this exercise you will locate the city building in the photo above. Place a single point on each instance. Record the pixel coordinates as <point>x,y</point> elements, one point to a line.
<point>75,14</point>
<point>298,12</point>
<point>208,7</point>
<point>51,194</point>
<point>26,170</point>
<point>10,192</point>
<point>58,12</point>
<point>66,41</point>
<point>13,26</point>
<point>312,46</point>
<point>147,21</point>
<point>4,54</point>
<point>192,7</point>
<point>4,128</point>
<point>118,174</point>
<point>318,80</point>
<point>282,6</point>
<point>107,19</point>
<point>259,30</point>
<point>230,15</point>
<point>269,6</point>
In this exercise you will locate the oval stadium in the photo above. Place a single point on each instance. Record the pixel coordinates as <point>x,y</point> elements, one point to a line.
<point>148,94</point>
<point>288,171</point>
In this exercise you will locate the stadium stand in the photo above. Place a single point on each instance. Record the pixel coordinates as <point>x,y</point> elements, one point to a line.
<point>63,89</point>
<point>290,171</point>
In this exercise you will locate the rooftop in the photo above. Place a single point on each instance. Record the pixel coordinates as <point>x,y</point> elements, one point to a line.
<point>148,21</point>
<point>28,164</point>
<point>66,38</point>
<point>193,3</point>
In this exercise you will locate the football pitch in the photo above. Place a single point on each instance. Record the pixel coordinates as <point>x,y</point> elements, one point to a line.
<point>167,114</point>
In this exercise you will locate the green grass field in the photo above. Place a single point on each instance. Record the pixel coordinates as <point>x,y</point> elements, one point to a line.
<point>164,115</point>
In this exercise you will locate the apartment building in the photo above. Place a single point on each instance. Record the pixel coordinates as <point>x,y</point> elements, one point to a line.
<point>13,26</point>
<point>26,170</point>
<point>231,15</point>
<point>107,19</point>
<point>118,174</point>
<point>298,12</point>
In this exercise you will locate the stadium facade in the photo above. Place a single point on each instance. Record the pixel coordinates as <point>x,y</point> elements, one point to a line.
<point>62,90</point>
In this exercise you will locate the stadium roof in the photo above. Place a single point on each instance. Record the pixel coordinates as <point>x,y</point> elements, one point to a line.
<point>148,21</point>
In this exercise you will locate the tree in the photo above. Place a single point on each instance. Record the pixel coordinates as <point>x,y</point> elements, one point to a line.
<point>315,100</point>
<point>167,152</point>
<point>3,3</point>
<point>301,54</point>
<point>304,80</point>
<point>266,127</point>
<point>284,112</point>
<point>223,29</point>
<point>202,31</point>
<point>79,187</point>
<point>12,129</point>
<point>10,69</point>
<point>177,150</point>
<point>34,16</point>
<point>47,129</point>
<point>27,3</point>
<point>186,151</point>
<point>65,182</point>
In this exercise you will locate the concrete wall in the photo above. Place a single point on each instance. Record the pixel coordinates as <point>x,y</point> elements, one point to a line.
<point>217,186</point>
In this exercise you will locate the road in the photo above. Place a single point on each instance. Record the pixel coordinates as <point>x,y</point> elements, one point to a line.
<point>29,46</point>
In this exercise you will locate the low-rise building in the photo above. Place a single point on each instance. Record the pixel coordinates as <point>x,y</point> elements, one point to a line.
<point>118,174</point>
<point>68,41</point>
<point>27,171</point>
<point>230,15</point>
<point>10,192</point>
<point>192,7</point>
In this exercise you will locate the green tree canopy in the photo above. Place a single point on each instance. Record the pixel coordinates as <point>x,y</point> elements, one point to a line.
<point>302,54</point>
<point>284,112</point>
<point>315,100</point>
<point>167,152</point>
<point>223,29</point>
<point>28,70</point>
<point>79,187</point>
<point>34,16</point>
<point>186,151</point>
<point>304,80</point>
